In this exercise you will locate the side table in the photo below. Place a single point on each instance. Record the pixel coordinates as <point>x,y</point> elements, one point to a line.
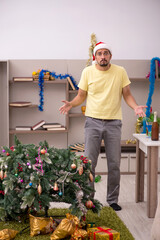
<point>151,148</point>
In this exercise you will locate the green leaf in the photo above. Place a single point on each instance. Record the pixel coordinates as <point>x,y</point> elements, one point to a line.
<point>46,159</point>
<point>27,201</point>
<point>2,214</point>
<point>17,142</point>
<point>8,185</point>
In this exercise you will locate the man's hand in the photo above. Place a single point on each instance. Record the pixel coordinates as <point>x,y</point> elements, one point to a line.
<point>65,108</point>
<point>139,111</point>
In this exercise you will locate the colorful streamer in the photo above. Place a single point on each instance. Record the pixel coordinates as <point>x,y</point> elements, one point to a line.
<point>151,88</point>
<point>41,84</point>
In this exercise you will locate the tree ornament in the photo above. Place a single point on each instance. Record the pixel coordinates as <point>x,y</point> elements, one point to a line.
<point>12,148</point>
<point>90,177</point>
<point>1,174</point>
<point>60,193</point>
<point>73,166</point>
<point>39,189</point>
<point>16,174</point>
<point>98,178</point>
<point>7,154</point>
<point>89,204</point>
<point>81,170</point>
<point>43,151</point>
<point>30,184</point>
<point>55,188</point>
<point>21,180</point>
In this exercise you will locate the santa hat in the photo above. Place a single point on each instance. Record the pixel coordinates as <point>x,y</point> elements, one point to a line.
<point>100,45</point>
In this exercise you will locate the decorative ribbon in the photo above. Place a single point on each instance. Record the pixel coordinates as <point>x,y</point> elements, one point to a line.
<point>105,231</point>
<point>151,89</point>
<point>39,162</point>
<point>41,84</point>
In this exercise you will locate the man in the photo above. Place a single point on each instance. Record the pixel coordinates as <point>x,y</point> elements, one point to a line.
<point>103,84</point>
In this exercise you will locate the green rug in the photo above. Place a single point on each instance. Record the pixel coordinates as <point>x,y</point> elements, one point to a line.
<point>107,217</point>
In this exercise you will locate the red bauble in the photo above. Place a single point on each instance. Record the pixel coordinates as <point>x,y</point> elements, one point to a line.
<point>89,204</point>
<point>43,151</point>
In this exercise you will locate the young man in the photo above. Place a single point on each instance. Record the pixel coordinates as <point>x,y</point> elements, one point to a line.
<point>102,85</point>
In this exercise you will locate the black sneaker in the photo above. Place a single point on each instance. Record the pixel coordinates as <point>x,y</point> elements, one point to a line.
<point>115,207</point>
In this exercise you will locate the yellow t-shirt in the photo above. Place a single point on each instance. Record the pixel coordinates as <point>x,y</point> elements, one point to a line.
<point>104,91</point>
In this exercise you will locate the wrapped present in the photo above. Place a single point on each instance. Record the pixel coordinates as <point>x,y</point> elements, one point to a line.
<point>79,234</point>
<point>105,233</point>
<point>66,227</point>
<point>8,234</point>
<point>41,225</point>
<point>91,224</point>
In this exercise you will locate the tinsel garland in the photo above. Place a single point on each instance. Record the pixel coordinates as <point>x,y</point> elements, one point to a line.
<point>151,89</point>
<point>41,84</point>
<point>93,43</point>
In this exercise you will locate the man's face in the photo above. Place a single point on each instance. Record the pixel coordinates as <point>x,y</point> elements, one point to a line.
<point>103,57</point>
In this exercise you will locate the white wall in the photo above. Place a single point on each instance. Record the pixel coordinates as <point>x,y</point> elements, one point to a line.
<point>61,29</point>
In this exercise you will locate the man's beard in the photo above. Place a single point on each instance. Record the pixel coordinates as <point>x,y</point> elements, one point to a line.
<point>103,63</point>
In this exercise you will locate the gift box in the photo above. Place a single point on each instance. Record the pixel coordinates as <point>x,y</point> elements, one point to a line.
<point>100,233</point>
<point>91,224</point>
<point>79,234</point>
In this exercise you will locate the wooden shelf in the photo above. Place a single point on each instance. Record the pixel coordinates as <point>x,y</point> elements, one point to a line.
<point>139,79</point>
<point>73,91</point>
<point>125,147</point>
<point>142,79</point>
<point>13,131</point>
<point>76,115</point>
<point>30,106</point>
<point>48,82</point>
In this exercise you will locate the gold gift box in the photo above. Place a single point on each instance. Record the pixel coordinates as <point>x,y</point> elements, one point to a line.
<point>100,233</point>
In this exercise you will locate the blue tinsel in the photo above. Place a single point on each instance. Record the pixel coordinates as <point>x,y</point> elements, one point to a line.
<point>151,89</point>
<point>41,84</point>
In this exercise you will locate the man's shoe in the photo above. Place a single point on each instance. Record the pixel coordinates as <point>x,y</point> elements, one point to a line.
<point>115,207</point>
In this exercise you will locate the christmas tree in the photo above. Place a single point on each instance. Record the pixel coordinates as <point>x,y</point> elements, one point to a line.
<point>32,177</point>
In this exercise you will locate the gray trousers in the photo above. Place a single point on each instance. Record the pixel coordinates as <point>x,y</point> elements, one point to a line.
<point>110,131</point>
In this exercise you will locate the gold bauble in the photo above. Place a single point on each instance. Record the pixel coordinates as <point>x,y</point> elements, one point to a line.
<point>39,189</point>
<point>1,174</point>
<point>81,170</point>
<point>90,177</point>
